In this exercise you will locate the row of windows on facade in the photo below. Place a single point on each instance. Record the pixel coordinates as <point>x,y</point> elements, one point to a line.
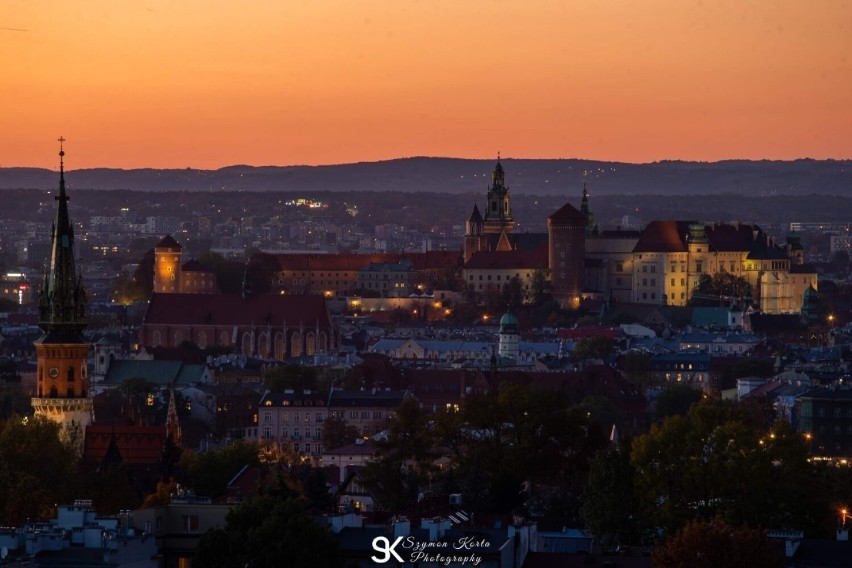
<point>699,377</point>
<point>320,417</point>
<point>498,276</point>
<point>297,433</point>
<point>263,347</point>
<point>54,392</point>
<point>699,266</point>
<point>298,448</point>
<point>822,412</point>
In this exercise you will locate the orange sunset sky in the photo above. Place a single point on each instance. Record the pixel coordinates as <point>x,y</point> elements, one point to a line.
<point>206,83</point>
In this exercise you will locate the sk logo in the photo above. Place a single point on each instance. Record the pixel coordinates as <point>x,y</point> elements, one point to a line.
<point>387,548</point>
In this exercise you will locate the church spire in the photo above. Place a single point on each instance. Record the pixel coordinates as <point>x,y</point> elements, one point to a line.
<point>62,301</point>
<point>586,210</point>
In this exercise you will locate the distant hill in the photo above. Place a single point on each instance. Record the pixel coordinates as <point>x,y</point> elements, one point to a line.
<point>532,177</point>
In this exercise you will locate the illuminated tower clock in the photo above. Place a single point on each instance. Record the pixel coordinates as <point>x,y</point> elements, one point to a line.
<point>62,387</point>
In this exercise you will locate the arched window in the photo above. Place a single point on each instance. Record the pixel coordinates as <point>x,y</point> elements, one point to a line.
<point>178,338</point>
<point>70,374</point>
<point>310,344</point>
<point>156,338</point>
<point>296,345</point>
<point>202,340</point>
<point>280,346</point>
<point>247,344</point>
<point>323,342</point>
<point>223,339</point>
<point>53,392</point>
<point>263,346</point>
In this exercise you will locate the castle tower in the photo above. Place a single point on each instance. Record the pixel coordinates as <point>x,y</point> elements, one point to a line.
<point>62,385</point>
<point>566,242</point>
<point>167,265</point>
<point>473,234</point>
<point>509,336</point>
<point>498,211</point>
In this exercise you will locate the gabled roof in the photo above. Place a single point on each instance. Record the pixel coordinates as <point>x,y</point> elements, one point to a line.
<point>568,215</point>
<point>234,310</point>
<point>476,216</point>
<point>168,242</point>
<point>136,444</point>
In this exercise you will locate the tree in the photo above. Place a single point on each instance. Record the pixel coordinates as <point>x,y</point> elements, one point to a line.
<point>404,459</point>
<point>513,293</point>
<point>126,290</point>
<point>675,400</point>
<point>209,472</point>
<point>609,503</point>
<point>336,433</point>
<point>721,287</point>
<point>716,543</point>
<point>273,529</point>
<point>260,271</point>
<point>720,460</point>
<point>594,347</point>
<point>38,470</point>
<point>540,288</point>
<point>229,274</point>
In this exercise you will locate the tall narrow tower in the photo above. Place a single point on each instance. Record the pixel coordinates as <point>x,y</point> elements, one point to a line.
<point>167,267</point>
<point>62,380</point>
<point>498,211</point>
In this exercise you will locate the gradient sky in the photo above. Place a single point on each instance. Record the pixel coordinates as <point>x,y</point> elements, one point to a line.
<point>208,83</point>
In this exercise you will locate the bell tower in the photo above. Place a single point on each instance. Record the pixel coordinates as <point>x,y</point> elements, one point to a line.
<point>62,386</point>
<point>498,211</point>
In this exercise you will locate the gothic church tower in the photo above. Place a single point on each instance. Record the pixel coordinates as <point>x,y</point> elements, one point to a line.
<point>62,386</point>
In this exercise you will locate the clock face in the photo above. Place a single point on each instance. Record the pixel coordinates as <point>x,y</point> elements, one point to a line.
<point>53,372</point>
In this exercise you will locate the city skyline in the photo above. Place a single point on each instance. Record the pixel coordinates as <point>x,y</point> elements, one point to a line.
<point>207,85</point>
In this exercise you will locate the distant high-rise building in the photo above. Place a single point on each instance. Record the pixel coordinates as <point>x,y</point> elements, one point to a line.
<point>62,381</point>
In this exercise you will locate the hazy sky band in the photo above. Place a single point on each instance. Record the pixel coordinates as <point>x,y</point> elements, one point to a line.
<point>205,83</point>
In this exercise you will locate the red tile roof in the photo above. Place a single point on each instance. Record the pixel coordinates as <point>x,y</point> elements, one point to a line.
<point>136,444</point>
<point>233,309</point>
<point>568,214</point>
<point>168,242</point>
<point>663,236</point>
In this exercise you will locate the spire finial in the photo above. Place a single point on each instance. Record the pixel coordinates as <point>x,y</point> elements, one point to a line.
<point>498,155</point>
<point>61,141</point>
